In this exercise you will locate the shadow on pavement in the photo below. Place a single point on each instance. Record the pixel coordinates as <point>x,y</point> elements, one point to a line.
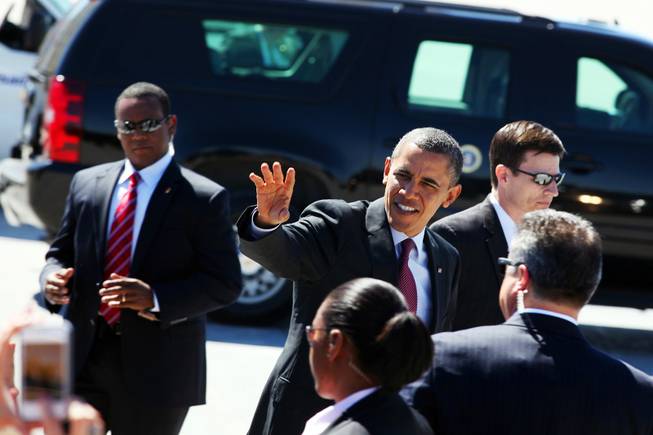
<point>255,335</point>
<point>25,232</point>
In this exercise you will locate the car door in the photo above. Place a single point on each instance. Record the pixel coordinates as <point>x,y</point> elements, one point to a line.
<point>455,73</point>
<point>604,101</point>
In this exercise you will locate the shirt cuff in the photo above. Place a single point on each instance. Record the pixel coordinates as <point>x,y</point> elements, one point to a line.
<point>155,308</point>
<point>258,232</point>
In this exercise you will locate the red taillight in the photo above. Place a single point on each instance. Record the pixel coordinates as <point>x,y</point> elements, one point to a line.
<point>62,120</point>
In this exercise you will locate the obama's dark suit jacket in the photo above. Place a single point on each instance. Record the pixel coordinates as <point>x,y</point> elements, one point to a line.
<point>332,242</point>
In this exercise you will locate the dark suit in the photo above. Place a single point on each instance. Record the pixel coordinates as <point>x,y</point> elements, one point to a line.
<point>380,413</point>
<point>185,251</point>
<point>477,235</point>
<point>535,374</point>
<point>333,242</point>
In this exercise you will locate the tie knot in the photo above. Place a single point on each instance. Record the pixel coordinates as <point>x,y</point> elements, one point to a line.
<point>407,245</point>
<point>134,179</point>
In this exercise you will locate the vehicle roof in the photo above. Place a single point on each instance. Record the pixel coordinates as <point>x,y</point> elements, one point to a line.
<point>453,8</point>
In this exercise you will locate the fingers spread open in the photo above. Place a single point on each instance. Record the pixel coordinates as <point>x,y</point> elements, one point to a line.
<point>290,181</point>
<point>267,174</point>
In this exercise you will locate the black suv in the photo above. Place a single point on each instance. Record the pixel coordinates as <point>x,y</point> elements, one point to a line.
<point>329,86</point>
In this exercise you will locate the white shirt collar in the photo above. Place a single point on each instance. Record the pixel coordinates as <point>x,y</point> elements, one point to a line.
<point>398,237</point>
<point>323,419</point>
<point>150,175</point>
<point>508,226</point>
<point>551,313</point>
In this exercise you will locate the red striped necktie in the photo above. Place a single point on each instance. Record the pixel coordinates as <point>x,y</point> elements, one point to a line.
<point>406,282</point>
<point>119,245</point>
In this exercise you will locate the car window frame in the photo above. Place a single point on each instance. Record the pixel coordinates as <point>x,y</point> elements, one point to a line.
<point>566,71</point>
<point>421,28</point>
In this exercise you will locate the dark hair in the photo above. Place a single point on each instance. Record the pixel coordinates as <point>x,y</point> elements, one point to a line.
<point>513,140</point>
<point>392,345</point>
<point>435,141</point>
<point>146,90</point>
<point>562,253</point>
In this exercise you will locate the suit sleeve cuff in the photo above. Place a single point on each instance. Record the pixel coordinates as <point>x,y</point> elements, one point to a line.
<point>256,231</point>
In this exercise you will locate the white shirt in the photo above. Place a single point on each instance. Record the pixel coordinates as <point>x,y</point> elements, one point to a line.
<point>418,263</point>
<point>323,419</point>
<point>150,177</point>
<point>551,313</point>
<point>508,226</point>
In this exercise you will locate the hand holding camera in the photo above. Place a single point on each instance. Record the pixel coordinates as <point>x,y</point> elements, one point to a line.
<point>43,369</point>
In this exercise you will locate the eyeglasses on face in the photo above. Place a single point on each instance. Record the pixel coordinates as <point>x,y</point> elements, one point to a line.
<point>144,126</point>
<point>312,332</point>
<point>542,178</point>
<point>503,261</point>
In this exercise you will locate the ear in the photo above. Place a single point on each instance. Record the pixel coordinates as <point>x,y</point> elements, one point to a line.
<point>386,169</point>
<point>336,342</point>
<point>508,300</point>
<point>452,195</point>
<point>524,277</point>
<point>501,172</point>
<point>172,125</point>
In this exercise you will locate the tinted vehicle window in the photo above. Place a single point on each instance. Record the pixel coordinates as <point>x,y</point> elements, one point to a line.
<point>613,97</point>
<point>271,51</point>
<point>208,51</point>
<point>463,78</point>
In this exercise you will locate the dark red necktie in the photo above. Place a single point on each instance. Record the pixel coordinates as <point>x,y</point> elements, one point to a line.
<point>406,280</point>
<point>119,245</point>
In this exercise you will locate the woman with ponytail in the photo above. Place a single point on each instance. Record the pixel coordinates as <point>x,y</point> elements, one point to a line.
<point>364,346</point>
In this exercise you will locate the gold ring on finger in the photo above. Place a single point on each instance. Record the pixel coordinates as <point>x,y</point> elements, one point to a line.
<point>124,299</point>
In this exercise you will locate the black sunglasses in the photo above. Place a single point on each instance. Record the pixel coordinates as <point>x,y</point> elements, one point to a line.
<point>503,261</point>
<point>542,178</point>
<point>144,126</point>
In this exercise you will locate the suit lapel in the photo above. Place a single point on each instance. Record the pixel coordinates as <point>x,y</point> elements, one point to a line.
<point>496,240</point>
<point>104,186</point>
<point>439,295</point>
<point>155,213</point>
<point>382,250</point>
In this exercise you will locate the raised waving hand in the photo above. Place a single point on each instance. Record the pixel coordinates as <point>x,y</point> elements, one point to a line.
<point>273,194</point>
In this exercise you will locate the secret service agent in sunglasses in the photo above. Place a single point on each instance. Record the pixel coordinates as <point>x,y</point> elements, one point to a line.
<point>542,178</point>
<point>144,126</point>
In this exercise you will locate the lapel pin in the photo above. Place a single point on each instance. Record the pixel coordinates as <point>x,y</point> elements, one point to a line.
<point>168,190</point>
<point>439,270</point>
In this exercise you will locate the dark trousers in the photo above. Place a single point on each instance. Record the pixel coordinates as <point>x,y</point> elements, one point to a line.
<point>102,384</point>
